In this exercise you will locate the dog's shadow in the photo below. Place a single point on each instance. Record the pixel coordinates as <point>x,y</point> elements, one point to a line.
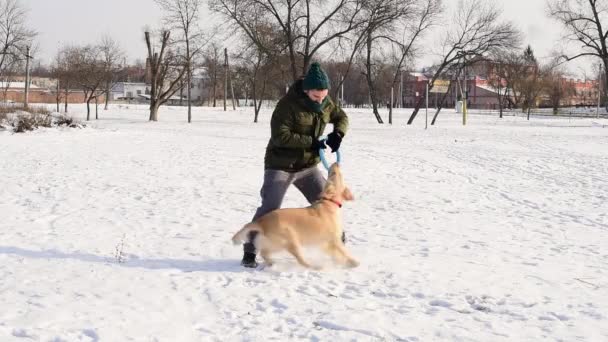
<point>130,260</point>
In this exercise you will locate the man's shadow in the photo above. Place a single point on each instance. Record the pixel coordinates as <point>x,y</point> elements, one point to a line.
<point>211,265</point>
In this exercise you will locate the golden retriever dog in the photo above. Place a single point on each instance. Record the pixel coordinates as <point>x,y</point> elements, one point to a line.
<point>316,225</point>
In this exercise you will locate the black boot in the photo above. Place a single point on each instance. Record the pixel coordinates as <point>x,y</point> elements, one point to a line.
<point>249,260</point>
<point>249,252</point>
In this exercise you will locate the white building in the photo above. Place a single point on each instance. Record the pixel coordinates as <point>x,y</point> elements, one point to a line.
<point>129,90</point>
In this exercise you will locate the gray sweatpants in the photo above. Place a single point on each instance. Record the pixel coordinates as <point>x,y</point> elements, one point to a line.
<point>309,181</point>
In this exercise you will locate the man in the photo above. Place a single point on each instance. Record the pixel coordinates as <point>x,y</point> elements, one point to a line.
<point>292,154</point>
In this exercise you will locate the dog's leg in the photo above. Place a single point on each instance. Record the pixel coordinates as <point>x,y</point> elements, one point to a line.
<point>297,253</point>
<point>266,256</point>
<point>331,250</point>
<point>293,247</point>
<point>350,261</point>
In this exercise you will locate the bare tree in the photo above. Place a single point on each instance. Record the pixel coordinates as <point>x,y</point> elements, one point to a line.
<point>380,22</point>
<point>211,63</point>
<point>586,25</point>
<point>514,69</point>
<point>112,56</point>
<point>183,16</point>
<point>58,72</point>
<point>475,31</point>
<point>256,67</point>
<point>14,35</point>
<point>166,72</point>
<point>424,16</point>
<point>64,73</point>
<point>496,79</point>
<point>88,72</point>
<point>306,26</point>
<point>531,80</point>
<point>507,74</point>
<point>453,73</point>
<point>556,88</point>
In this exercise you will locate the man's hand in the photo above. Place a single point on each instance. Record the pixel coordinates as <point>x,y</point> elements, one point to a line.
<point>334,139</point>
<point>316,145</point>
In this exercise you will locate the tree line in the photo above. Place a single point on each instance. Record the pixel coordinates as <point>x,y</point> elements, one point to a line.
<point>366,46</point>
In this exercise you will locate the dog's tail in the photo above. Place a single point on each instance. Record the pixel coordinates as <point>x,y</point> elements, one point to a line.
<point>243,234</point>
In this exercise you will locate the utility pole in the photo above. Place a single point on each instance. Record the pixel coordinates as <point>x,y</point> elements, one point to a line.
<point>27,76</point>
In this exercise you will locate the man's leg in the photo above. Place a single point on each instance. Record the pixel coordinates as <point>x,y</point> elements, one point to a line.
<point>272,193</point>
<point>311,183</point>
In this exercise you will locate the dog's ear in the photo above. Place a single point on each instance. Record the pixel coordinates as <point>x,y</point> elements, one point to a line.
<point>329,190</point>
<point>347,194</point>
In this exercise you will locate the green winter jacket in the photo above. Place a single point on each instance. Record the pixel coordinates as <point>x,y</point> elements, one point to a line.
<point>294,125</point>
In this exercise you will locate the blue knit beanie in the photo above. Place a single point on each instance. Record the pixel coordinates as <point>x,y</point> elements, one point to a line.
<point>315,78</point>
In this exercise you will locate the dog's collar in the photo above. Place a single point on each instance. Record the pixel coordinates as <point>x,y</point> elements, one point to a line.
<point>339,204</point>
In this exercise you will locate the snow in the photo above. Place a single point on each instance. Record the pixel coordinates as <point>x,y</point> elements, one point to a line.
<point>119,231</point>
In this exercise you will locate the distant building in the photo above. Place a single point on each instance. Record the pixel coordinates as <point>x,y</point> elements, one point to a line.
<point>480,94</point>
<point>128,91</point>
<point>14,91</point>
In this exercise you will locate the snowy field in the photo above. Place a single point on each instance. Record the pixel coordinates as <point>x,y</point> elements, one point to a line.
<point>497,231</point>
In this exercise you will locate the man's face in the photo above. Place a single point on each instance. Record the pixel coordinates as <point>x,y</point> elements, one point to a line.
<point>317,95</point>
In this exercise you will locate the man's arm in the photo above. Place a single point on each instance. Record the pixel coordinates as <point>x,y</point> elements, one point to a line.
<point>282,129</point>
<point>339,120</point>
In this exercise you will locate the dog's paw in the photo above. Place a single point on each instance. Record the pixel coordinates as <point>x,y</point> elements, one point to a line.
<point>352,263</point>
<point>316,267</point>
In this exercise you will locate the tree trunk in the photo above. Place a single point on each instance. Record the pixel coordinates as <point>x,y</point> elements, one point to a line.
<point>58,97</point>
<point>96,109</point>
<point>254,95</point>
<point>189,79</point>
<point>232,90</point>
<point>189,92</point>
<point>500,101</point>
<point>416,110</point>
<point>390,108</point>
<point>88,109</point>
<point>292,58</point>
<point>257,99</point>
<point>225,77</point>
<point>246,97</point>
<point>67,93</point>
<point>153,110</point>
<point>370,82</point>
<point>605,83</point>
<point>440,104</point>
<point>107,95</point>
<point>215,83</point>
<point>181,93</point>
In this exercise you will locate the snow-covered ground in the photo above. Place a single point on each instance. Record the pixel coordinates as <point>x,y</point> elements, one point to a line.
<point>497,231</point>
